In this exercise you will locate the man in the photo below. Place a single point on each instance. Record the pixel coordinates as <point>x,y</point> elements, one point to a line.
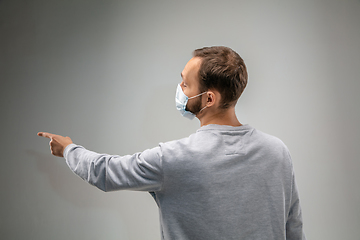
<point>226,181</point>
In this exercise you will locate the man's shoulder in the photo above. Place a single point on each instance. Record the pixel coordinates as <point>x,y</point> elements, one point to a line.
<point>270,144</point>
<point>267,137</point>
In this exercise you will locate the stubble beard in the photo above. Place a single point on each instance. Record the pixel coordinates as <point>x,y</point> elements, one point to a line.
<point>195,107</point>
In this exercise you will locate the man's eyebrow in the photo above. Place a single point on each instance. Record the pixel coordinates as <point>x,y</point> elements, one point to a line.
<point>181,75</point>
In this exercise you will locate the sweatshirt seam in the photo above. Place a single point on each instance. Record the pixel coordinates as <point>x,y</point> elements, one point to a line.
<point>162,169</point>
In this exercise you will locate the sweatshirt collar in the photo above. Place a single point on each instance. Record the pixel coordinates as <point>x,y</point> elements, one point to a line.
<point>224,127</point>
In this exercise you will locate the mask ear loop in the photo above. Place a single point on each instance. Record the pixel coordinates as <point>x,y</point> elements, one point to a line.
<point>205,105</point>
<point>202,109</point>
<point>197,95</point>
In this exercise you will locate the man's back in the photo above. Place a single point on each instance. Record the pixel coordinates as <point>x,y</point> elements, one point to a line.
<point>228,182</point>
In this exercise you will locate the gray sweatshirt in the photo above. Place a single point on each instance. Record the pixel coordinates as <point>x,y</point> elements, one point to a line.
<point>221,182</point>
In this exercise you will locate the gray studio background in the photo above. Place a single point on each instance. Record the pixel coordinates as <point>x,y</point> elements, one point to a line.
<point>105,74</point>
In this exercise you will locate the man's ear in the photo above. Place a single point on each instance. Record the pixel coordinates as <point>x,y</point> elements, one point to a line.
<point>210,98</point>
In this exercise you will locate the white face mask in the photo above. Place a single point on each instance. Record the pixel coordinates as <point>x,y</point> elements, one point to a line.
<point>181,100</point>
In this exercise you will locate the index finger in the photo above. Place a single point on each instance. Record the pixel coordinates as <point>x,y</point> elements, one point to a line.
<point>46,134</point>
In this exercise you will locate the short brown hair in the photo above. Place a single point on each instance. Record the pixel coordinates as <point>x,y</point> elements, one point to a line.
<point>224,70</point>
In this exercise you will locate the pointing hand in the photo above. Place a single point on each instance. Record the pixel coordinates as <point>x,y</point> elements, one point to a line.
<point>57,143</point>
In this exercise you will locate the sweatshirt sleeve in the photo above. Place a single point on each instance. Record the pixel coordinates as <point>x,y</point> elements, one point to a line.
<point>294,224</point>
<point>140,171</point>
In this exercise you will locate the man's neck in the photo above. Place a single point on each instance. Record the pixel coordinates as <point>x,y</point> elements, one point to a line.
<point>224,117</point>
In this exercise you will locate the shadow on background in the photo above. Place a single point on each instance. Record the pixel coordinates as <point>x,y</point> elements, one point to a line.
<point>64,182</point>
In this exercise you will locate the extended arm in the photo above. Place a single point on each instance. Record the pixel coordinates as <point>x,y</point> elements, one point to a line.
<point>140,171</point>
